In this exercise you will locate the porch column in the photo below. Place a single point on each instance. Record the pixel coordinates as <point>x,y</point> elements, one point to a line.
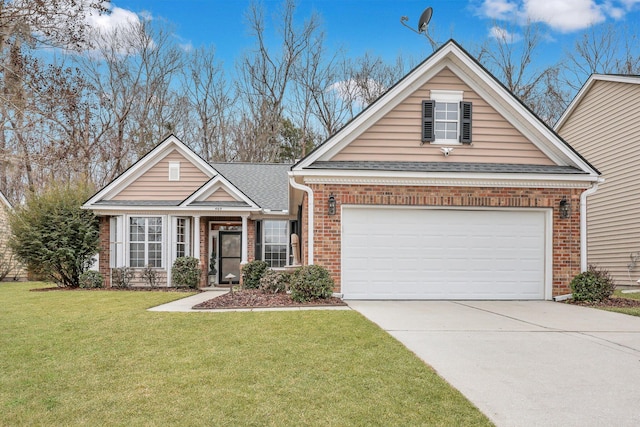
<point>245,240</point>
<point>196,237</point>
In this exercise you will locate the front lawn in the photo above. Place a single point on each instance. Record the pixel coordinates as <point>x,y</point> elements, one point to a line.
<point>99,358</point>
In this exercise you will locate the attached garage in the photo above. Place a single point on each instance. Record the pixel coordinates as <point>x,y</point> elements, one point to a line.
<point>449,253</point>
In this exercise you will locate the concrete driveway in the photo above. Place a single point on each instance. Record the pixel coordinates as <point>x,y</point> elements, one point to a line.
<point>535,363</point>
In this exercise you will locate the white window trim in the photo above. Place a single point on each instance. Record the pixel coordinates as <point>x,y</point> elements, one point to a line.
<point>117,247</point>
<point>174,171</point>
<point>287,243</point>
<point>174,234</point>
<point>447,96</point>
<point>163,240</point>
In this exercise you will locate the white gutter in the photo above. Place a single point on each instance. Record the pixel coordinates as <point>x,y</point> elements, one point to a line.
<point>309,191</point>
<point>583,223</point>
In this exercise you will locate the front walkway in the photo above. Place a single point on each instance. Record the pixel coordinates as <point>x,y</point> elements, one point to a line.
<point>525,363</point>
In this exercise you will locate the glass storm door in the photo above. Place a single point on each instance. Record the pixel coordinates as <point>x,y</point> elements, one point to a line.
<point>230,251</point>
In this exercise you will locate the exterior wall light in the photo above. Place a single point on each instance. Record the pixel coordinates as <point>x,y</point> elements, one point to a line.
<point>332,204</point>
<point>565,208</point>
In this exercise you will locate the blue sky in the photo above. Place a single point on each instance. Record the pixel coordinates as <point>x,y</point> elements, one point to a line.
<point>374,25</point>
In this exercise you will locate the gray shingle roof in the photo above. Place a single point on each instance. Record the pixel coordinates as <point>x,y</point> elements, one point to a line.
<point>221,204</point>
<point>139,202</point>
<point>446,167</point>
<point>267,184</point>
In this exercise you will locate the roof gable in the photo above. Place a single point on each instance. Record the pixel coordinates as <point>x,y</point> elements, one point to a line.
<point>218,191</point>
<point>586,89</point>
<point>397,135</point>
<point>137,182</point>
<point>451,56</point>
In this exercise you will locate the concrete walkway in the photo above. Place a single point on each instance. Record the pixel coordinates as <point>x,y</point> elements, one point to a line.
<point>525,363</point>
<point>185,305</point>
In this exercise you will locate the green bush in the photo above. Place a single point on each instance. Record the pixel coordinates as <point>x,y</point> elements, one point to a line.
<point>311,282</point>
<point>275,281</point>
<point>91,279</point>
<point>186,272</point>
<point>252,272</point>
<point>52,236</point>
<point>592,285</point>
<point>121,277</point>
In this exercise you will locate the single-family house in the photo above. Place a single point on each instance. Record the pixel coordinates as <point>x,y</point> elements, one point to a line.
<point>446,187</point>
<point>603,123</point>
<point>10,268</point>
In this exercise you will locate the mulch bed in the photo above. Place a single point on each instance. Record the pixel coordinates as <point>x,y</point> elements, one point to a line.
<point>611,302</point>
<point>254,298</point>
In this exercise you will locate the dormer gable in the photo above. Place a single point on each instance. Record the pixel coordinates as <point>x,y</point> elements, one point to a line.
<point>169,172</point>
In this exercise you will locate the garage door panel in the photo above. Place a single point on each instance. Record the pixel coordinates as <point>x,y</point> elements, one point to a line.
<point>442,254</point>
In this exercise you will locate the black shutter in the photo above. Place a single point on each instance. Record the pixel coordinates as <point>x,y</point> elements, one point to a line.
<point>465,122</point>
<point>428,110</point>
<point>258,240</point>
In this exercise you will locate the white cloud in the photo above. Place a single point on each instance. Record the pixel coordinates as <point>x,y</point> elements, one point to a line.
<point>503,34</point>
<point>565,15</point>
<point>561,15</point>
<point>116,19</point>
<point>499,9</point>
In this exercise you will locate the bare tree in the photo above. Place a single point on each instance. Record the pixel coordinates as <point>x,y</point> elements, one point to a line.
<point>132,70</point>
<point>211,101</point>
<point>25,25</point>
<point>266,76</point>
<point>510,56</point>
<point>601,49</point>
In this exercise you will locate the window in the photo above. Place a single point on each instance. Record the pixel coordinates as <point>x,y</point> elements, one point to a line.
<point>182,237</point>
<point>145,241</point>
<point>446,119</point>
<point>275,242</point>
<point>174,171</point>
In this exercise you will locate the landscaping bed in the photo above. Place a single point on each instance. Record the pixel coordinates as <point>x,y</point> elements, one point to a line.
<point>254,298</point>
<point>613,302</point>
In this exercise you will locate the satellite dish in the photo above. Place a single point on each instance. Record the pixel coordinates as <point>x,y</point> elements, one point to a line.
<point>424,20</point>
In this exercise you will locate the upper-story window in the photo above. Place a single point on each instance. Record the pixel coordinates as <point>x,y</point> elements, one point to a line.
<point>446,118</point>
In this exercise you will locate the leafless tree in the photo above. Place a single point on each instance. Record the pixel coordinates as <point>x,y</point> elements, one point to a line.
<point>131,69</point>
<point>24,26</point>
<point>510,55</point>
<point>211,103</point>
<point>266,76</point>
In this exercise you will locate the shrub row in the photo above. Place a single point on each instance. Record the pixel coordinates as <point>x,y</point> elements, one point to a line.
<point>307,283</point>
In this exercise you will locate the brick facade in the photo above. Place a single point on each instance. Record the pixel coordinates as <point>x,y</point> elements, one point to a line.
<point>566,232</point>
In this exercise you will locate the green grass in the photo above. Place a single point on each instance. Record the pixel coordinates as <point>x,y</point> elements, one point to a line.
<point>632,311</point>
<point>99,358</point>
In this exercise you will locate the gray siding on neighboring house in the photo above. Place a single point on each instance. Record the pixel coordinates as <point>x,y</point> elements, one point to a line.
<point>605,128</point>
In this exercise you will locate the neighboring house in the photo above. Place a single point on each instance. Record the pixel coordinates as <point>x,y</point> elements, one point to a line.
<point>8,264</point>
<point>446,187</point>
<point>603,123</point>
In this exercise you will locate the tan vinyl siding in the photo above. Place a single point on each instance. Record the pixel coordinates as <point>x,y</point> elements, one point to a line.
<point>397,136</point>
<point>154,184</point>
<point>220,195</point>
<point>605,129</point>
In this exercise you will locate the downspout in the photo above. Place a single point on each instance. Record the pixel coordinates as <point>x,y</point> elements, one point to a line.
<point>583,223</point>
<point>309,192</point>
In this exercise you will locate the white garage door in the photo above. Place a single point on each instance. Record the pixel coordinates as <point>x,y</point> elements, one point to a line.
<point>411,253</point>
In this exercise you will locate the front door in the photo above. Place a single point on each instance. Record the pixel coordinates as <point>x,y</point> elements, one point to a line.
<point>230,250</point>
